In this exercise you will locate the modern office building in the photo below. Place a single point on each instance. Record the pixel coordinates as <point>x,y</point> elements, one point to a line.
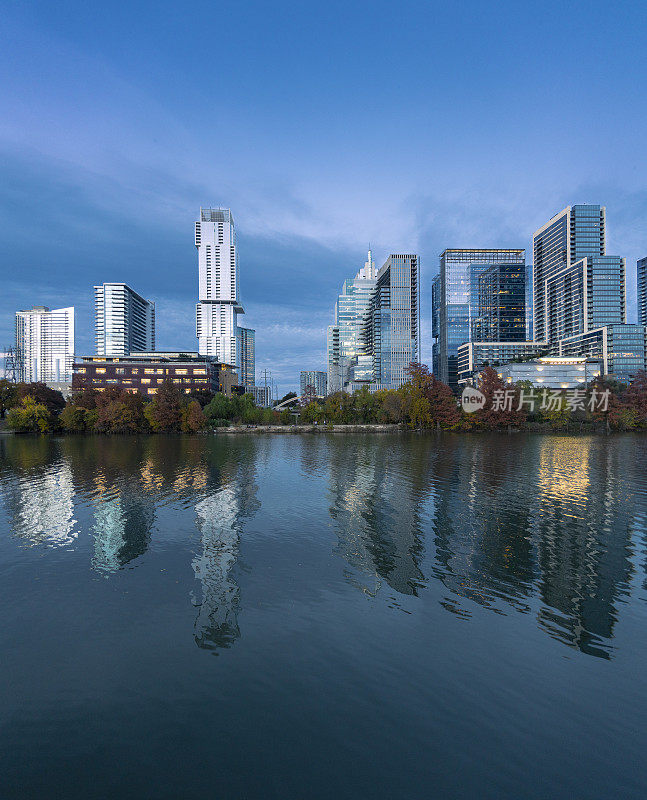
<point>344,335</point>
<point>144,373</point>
<point>248,357</point>
<point>455,301</point>
<point>314,383</point>
<point>642,290</point>
<point>529,304</point>
<point>575,233</point>
<point>553,373</point>
<point>472,357</point>
<point>390,337</point>
<point>124,320</point>
<point>217,311</point>
<point>45,344</point>
<point>501,314</point>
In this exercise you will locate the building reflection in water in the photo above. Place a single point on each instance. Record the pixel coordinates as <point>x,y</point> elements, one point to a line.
<point>219,519</point>
<point>542,516</point>
<point>377,492</point>
<point>122,530</point>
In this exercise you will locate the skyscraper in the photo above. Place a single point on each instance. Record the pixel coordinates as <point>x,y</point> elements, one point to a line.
<point>219,306</point>
<point>455,301</point>
<point>124,321</point>
<point>45,344</point>
<point>390,338</point>
<point>576,232</point>
<point>345,333</point>
<point>642,291</point>
<point>248,357</point>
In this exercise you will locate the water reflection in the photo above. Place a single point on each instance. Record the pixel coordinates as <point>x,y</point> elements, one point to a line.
<point>377,491</point>
<point>545,527</point>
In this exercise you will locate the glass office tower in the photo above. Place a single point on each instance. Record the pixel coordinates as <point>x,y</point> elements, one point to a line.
<point>501,293</point>
<point>345,333</point>
<point>455,301</point>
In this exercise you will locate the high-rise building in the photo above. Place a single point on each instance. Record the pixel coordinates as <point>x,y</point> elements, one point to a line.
<point>345,333</point>
<point>314,382</point>
<point>248,357</point>
<point>219,305</point>
<point>501,315</point>
<point>575,233</point>
<point>390,337</point>
<point>455,301</point>
<point>45,344</point>
<point>642,291</point>
<point>124,321</point>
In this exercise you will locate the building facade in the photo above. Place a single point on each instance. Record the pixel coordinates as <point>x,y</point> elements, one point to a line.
<point>124,320</point>
<point>344,335</point>
<point>501,315</point>
<point>553,373</point>
<point>248,357</point>
<point>390,338</point>
<point>219,307</point>
<point>622,349</point>
<point>144,373</point>
<point>45,344</point>
<point>455,301</point>
<point>642,290</point>
<point>474,356</point>
<point>575,233</point>
<point>314,381</point>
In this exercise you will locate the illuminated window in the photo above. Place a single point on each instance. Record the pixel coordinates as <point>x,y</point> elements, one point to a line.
<point>149,372</point>
<point>146,380</point>
<point>198,371</point>
<point>152,391</point>
<point>181,371</point>
<point>120,371</point>
<point>100,370</point>
<point>81,371</point>
<point>134,371</point>
<point>159,371</point>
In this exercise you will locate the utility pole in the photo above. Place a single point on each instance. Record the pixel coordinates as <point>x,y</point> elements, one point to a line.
<point>265,375</point>
<point>11,364</point>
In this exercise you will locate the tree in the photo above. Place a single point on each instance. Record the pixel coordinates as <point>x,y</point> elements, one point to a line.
<point>74,418</point>
<point>635,398</point>
<point>219,407</point>
<point>165,412</point>
<point>193,418</point>
<point>610,410</point>
<point>287,396</point>
<point>43,395</point>
<point>8,396</point>
<point>500,409</point>
<point>31,417</point>
<point>119,411</point>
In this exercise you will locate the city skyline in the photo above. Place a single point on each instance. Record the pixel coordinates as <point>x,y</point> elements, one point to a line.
<point>115,144</point>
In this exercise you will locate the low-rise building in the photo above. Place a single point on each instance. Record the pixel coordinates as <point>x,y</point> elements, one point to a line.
<point>553,373</point>
<point>146,372</point>
<point>473,356</point>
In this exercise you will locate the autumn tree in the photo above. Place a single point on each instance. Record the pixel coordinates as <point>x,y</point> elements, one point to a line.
<point>501,402</point>
<point>30,416</point>
<point>8,396</point>
<point>635,397</point>
<point>165,412</point>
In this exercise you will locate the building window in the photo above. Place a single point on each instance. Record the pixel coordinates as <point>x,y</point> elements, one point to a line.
<point>145,380</point>
<point>152,391</point>
<point>81,370</point>
<point>149,372</point>
<point>100,371</point>
<point>181,371</point>
<point>199,371</point>
<point>120,371</point>
<point>134,371</point>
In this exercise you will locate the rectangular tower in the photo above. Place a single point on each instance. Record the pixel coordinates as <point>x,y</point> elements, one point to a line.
<point>45,344</point>
<point>575,233</point>
<point>124,321</point>
<point>455,301</point>
<point>501,315</point>
<point>248,357</point>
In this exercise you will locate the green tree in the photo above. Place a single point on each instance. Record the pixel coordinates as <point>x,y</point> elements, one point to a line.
<point>43,395</point>
<point>164,414</point>
<point>31,417</point>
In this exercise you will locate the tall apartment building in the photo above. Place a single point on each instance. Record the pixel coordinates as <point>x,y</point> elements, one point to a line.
<point>642,290</point>
<point>577,232</point>
<point>390,337</point>
<point>455,301</point>
<point>314,381</point>
<point>124,320</point>
<point>45,344</point>
<point>580,305</point>
<point>218,307</point>
<point>248,357</point>
<point>344,335</point>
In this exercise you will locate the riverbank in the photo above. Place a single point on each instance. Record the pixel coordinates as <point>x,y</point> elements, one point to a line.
<point>372,428</point>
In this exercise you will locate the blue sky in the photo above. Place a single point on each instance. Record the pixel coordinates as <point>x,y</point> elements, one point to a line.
<point>415,126</point>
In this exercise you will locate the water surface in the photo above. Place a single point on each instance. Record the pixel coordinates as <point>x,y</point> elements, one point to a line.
<point>336,615</point>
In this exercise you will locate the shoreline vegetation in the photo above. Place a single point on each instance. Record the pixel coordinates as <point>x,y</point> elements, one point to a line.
<point>423,403</point>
